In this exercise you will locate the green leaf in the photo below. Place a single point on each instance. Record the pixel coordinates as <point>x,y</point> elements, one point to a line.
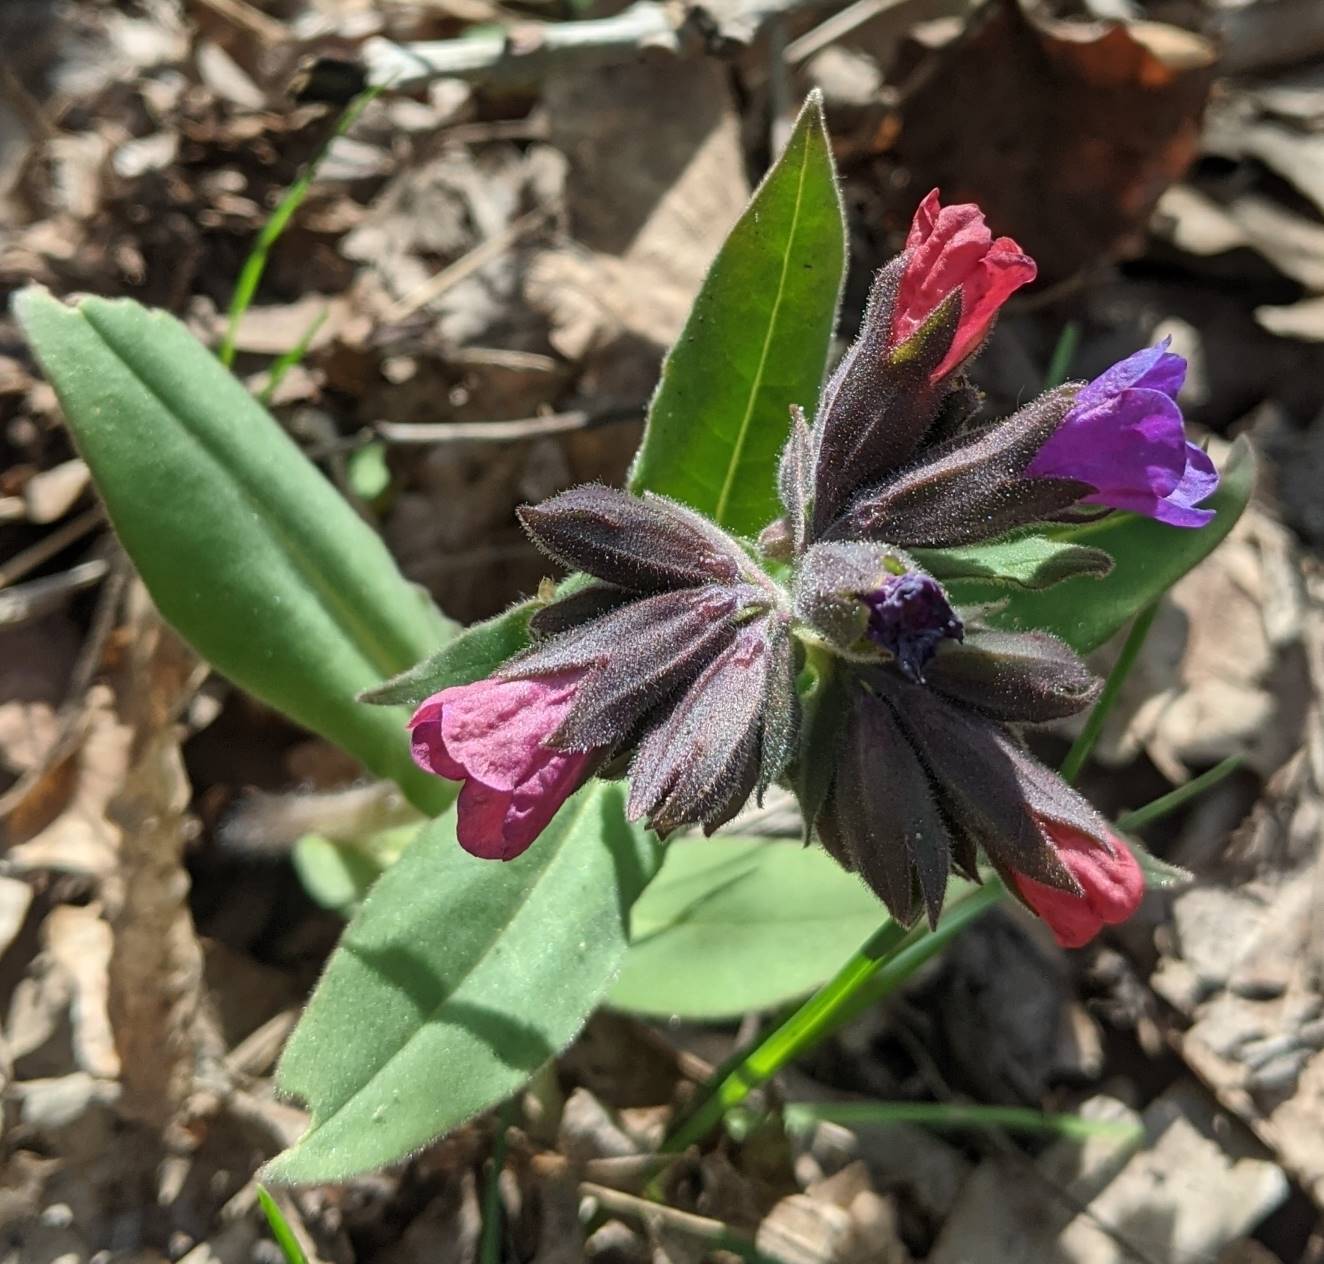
<point>475,653</point>
<point>755,343</point>
<point>339,875</point>
<point>1160,875</point>
<point>1028,561</point>
<point>246,548</point>
<point>737,924</point>
<point>1148,558</point>
<point>457,979</point>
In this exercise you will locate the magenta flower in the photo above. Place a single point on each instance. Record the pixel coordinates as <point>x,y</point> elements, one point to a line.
<point>1111,886</point>
<point>491,735</point>
<point>1125,437</point>
<point>951,248</point>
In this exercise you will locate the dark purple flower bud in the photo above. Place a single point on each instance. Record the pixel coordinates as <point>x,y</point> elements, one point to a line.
<point>1015,677</point>
<point>579,607</point>
<point>882,818</point>
<point>795,480</point>
<point>970,489</point>
<point>1125,438</point>
<point>922,785</point>
<point>909,616</point>
<point>880,400</point>
<point>703,759</point>
<point>644,544</point>
<point>637,658</point>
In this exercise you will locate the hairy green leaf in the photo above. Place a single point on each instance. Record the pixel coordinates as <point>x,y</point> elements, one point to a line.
<point>755,343</point>
<point>1027,561</point>
<point>246,548</point>
<point>737,924</point>
<point>1148,558</point>
<point>458,979</point>
<point>475,653</point>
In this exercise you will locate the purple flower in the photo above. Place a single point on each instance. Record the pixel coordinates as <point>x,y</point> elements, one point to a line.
<point>1124,436</point>
<point>909,616</point>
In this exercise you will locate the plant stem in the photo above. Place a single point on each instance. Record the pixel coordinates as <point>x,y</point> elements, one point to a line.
<point>1081,747</point>
<point>920,946</point>
<point>1174,799</point>
<point>489,1246</point>
<point>811,1021</point>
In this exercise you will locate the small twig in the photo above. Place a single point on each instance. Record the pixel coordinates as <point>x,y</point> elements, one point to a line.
<point>48,546</point>
<point>451,275</point>
<point>241,14</point>
<point>529,49</point>
<point>41,596</point>
<point>836,27</point>
<point>72,714</point>
<point>701,1228</point>
<point>257,1052</point>
<point>506,431</point>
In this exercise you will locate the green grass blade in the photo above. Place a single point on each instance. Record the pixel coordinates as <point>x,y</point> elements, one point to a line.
<point>280,1230</point>
<point>289,359</point>
<point>1182,795</point>
<point>801,1116</point>
<point>250,275</point>
<point>1112,688</point>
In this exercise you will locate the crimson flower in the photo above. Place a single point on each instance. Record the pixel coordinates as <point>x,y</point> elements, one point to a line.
<point>1111,886</point>
<point>949,249</point>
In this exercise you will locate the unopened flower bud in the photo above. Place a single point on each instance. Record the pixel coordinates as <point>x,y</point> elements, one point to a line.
<point>909,616</point>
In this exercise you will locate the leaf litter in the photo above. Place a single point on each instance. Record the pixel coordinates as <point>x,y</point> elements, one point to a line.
<point>514,248</point>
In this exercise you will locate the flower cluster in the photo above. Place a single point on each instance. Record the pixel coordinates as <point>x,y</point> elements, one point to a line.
<point>675,658</point>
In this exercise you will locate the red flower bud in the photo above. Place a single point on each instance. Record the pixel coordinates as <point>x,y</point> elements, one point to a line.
<point>1111,883</point>
<point>951,248</point>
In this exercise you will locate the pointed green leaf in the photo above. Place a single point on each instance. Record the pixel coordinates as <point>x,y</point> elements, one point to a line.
<point>756,342</point>
<point>1149,557</point>
<point>1028,561</point>
<point>737,924</point>
<point>475,653</point>
<point>456,981</point>
<point>246,548</point>
<point>1160,875</point>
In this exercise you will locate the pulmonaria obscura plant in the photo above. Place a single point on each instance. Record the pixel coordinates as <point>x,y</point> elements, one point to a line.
<point>830,656</point>
<point>866,603</point>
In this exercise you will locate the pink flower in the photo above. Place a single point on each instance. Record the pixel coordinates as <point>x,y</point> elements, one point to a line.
<point>490,734</point>
<point>950,248</point>
<point>1112,885</point>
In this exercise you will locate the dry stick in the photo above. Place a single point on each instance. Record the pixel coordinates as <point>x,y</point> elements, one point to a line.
<point>701,1228</point>
<point>506,431</point>
<point>531,48</point>
<point>245,17</point>
<point>41,596</point>
<point>48,546</point>
<point>451,275</point>
<point>834,28</point>
<point>72,710</point>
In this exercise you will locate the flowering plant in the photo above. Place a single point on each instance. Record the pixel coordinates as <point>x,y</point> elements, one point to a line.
<point>854,587</point>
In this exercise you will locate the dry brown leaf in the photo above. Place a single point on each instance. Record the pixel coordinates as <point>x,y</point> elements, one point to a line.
<point>1066,133</point>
